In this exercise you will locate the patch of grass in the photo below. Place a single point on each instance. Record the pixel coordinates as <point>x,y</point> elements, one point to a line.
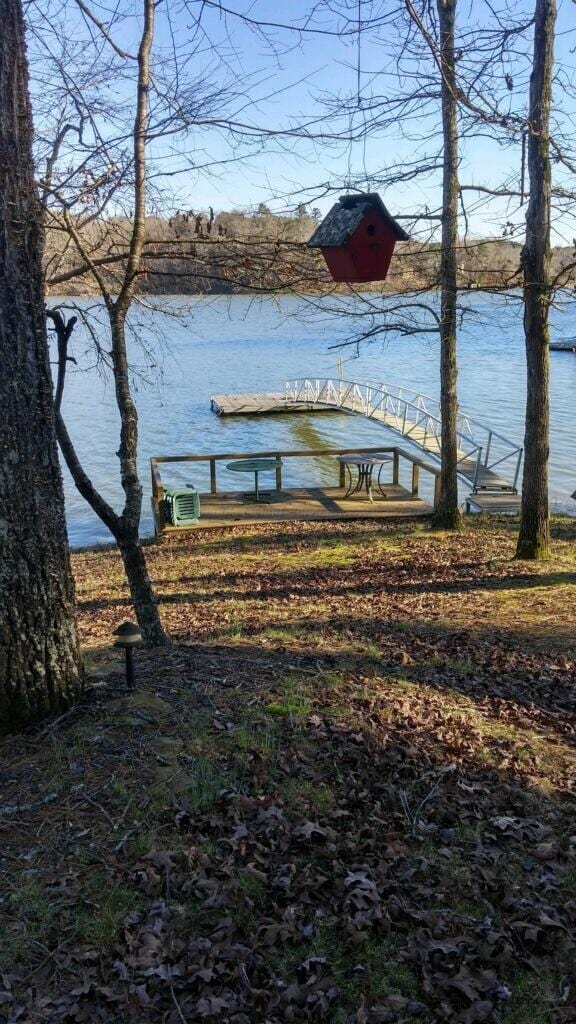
<point>247,914</point>
<point>119,789</point>
<point>291,697</point>
<point>260,738</point>
<point>206,782</point>
<point>298,792</point>
<point>288,634</point>
<point>98,925</point>
<point>459,873</point>
<point>468,908</point>
<point>32,918</point>
<point>469,834</point>
<point>530,995</point>
<point>458,666</point>
<point>379,956</point>
<point>332,680</point>
<point>255,890</point>
<point>29,900</point>
<point>387,973</point>
<point>568,884</point>
<point>142,844</point>
<point>289,707</point>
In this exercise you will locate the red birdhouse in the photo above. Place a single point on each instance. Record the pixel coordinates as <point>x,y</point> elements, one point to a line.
<point>357,238</point>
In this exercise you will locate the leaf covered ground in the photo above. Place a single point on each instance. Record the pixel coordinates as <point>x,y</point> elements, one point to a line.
<point>345,794</point>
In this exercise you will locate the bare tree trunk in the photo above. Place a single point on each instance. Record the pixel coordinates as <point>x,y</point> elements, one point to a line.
<point>40,667</point>
<point>447,515</point>
<point>124,528</point>
<point>534,536</point>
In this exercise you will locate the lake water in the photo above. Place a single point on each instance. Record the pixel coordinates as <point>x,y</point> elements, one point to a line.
<point>243,344</point>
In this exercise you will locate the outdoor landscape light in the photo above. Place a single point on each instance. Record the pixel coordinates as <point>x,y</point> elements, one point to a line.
<point>128,636</point>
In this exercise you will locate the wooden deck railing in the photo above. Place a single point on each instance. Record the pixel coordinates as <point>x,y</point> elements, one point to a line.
<point>213,458</point>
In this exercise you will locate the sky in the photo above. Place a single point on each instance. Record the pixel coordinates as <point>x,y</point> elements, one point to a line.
<point>290,78</point>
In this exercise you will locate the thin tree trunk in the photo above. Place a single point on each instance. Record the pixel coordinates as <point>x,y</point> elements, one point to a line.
<point>141,591</point>
<point>534,536</point>
<point>124,528</point>
<point>447,515</point>
<point>40,667</point>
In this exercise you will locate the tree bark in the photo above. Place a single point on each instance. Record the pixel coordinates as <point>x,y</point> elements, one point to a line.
<point>446,514</point>
<point>40,667</point>
<point>534,535</point>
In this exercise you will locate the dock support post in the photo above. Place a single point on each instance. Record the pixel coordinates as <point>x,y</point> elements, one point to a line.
<point>396,467</point>
<point>157,499</point>
<point>278,473</point>
<point>342,475</point>
<point>212,476</point>
<point>415,479</point>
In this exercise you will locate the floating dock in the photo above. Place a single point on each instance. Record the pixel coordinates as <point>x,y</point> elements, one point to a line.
<point>563,346</point>
<point>507,503</point>
<point>260,403</point>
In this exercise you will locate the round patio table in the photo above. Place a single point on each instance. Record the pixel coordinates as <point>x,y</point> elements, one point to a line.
<point>255,466</point>
<point>365,463</point>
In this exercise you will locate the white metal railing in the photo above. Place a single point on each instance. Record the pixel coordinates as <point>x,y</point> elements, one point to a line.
<point>417,417</point>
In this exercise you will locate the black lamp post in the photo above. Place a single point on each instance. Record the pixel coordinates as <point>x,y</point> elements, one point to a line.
<point>129,636</point>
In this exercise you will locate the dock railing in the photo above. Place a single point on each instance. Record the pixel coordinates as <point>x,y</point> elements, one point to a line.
<point>214,458</point>
<point>417,417</point>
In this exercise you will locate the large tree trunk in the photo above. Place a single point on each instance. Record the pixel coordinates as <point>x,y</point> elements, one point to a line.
<point>40,668</point>
<point>534,536</point>
<point>446,515</point>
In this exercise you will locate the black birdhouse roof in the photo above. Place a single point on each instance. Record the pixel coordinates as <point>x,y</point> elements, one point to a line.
<point>341,221</point>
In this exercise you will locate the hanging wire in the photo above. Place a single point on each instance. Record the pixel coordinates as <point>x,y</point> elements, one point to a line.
<point>351,118</point>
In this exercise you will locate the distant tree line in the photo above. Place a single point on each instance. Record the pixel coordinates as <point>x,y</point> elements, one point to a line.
<point>202,252</point>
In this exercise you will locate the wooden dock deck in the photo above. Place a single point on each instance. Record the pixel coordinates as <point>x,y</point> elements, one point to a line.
<point>223,507</point>
<point>303,503</point>
<point>260,403</point>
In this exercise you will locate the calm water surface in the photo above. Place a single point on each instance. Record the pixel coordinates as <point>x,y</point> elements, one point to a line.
<point>222,344</point>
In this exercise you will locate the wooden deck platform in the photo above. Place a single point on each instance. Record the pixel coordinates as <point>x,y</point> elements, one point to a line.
<point>260,403</point>
<point>303,503</point>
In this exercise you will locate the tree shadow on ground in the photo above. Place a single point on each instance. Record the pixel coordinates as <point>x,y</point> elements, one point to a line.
<point>481,665</point>
<point>328,582</point>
